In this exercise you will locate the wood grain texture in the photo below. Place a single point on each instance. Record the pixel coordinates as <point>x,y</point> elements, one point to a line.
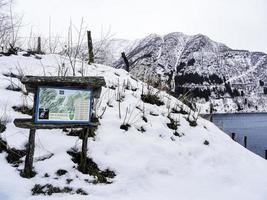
<point>29,124</point>
<point>86,82</point>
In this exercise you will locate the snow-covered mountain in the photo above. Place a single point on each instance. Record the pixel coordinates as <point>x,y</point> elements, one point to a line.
<point>168,152</point>
<point>236,80</point>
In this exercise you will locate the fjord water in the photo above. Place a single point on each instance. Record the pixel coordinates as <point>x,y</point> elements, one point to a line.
<point>252,125</point>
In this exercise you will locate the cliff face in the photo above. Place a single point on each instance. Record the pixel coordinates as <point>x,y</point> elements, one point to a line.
<point>212,71</point>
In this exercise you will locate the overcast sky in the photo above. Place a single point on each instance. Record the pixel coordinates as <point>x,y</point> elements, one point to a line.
<point>240,24</point>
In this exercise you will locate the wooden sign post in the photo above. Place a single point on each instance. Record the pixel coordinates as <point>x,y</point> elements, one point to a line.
<point>59,103</point>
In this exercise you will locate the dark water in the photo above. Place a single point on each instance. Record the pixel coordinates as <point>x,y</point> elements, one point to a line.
<point>252,125</point>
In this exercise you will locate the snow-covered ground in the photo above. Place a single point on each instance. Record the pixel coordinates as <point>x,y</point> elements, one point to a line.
<point>150,165</point>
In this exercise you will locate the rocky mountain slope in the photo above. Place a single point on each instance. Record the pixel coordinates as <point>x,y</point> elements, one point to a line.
<point>157,149</point>
<point>213,74</point>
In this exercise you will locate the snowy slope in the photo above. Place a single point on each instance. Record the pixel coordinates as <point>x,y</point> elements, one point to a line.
<point>150,165</point>
<point>168,58</point>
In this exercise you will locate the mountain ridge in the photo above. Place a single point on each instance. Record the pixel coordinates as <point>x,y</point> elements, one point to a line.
<point>169,58</point>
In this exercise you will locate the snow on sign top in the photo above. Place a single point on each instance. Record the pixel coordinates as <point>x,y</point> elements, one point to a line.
<point>63,105</point>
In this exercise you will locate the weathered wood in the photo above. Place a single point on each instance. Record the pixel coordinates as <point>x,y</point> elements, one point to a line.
<point>85,82</point>
<point>39,50</point>
<point>97,93</point>
<point>125,59</point>
<point>245,141</point>
<point>83,161</point>
<point>233,136</point>
<point>29,124</point>
<point>90,48</point>
<point>28,172</point>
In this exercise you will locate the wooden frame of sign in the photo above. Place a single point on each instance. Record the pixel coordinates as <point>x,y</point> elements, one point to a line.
<point>32,84</point>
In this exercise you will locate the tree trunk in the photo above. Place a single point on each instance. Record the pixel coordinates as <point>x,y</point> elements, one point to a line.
<point>90,48</point>
<point>125,61</point>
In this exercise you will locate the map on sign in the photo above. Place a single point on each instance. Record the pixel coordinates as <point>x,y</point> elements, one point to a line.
<point>63,105</point>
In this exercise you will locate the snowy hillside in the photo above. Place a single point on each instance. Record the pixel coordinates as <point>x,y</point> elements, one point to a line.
<point>198,65</point>
<point>167,153</point>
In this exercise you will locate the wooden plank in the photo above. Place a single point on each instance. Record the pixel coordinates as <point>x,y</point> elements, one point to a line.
<point>33,82</point>
<point>83,161</point>
<point>90,48</point>
<point>233,136</point>
<point>29,124</point>
<point>97,93</point>
<point>28,168</point>
<point>245,141</point>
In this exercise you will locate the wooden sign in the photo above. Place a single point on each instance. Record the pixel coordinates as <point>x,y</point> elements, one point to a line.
<point>63,105</point>
<point>61,102</point>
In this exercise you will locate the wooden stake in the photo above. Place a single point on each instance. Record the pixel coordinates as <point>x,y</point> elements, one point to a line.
<point>266,154</point>
<point>245,141</point>
<point>90,48</point>
<point>83,163</point>
<point>39,45</point>
<point>119,98</point>
<point>125,59</point>
<point>28,172</point>
<point>233,136</point>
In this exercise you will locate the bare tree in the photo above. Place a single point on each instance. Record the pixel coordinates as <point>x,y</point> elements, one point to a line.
<point>53,41</point>
<point>9,24</point>
<point>5,24</point>
<point>74,44</point>
<point>102,45</point>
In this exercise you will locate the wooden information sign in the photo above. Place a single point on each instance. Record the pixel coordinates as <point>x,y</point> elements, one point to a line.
<point>63,105</point>
<point>59,103</point>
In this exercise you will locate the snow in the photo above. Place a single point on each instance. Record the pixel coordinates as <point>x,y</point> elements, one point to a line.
<point>153,165</point>
<point>250,70</point>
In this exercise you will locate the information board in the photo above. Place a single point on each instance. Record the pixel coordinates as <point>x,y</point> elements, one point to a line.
<point>63,105</point>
